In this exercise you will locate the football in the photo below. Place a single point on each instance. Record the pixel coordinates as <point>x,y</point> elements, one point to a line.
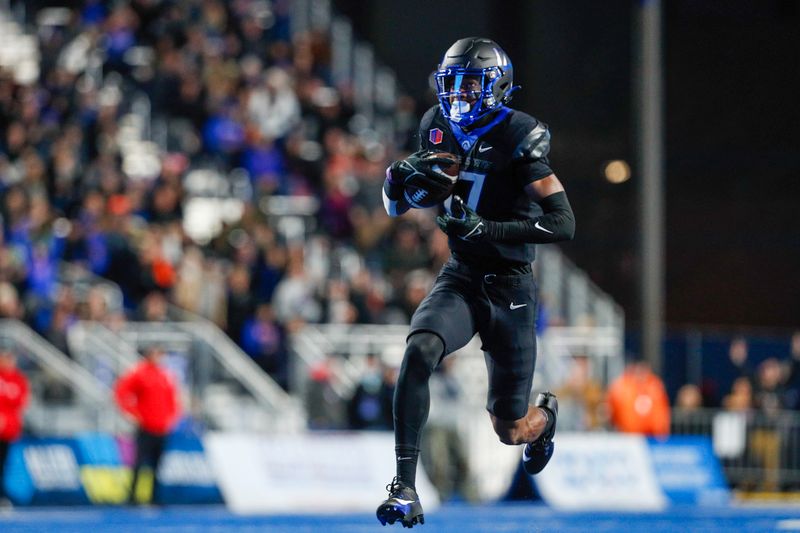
<point>450,170</point>
<point>417,192</point>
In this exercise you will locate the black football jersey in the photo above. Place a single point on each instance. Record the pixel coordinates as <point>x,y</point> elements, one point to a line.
<point>497,161</point>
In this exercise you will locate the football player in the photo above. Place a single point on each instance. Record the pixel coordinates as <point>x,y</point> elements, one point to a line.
<point>506,200</point>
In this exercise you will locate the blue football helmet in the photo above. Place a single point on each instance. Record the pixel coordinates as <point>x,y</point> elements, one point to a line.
<point>474,78</point>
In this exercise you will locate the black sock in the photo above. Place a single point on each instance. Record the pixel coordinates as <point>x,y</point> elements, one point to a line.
<point>407,464</point>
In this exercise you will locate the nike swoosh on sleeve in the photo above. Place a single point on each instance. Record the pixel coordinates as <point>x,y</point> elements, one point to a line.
<point>539,227</point>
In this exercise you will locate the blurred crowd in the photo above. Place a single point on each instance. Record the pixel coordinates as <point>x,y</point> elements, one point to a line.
<point>756,422</point>
<point>233,91</point>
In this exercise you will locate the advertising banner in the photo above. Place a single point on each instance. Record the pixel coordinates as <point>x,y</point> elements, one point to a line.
<point>688,471</point>
<point>340,472</point>
<point>44,472</point>
<point>600,471</point>
<point>89,469</point>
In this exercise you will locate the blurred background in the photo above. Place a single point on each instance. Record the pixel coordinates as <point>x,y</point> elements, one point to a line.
<point>205,176</point>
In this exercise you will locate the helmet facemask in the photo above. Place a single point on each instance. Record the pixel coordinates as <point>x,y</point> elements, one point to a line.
<point>467,94</point>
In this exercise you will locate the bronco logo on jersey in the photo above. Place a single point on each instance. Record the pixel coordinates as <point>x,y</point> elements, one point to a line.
<point>435,136</point>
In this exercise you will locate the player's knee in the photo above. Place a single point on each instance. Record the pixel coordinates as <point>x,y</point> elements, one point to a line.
<point>423,352</point>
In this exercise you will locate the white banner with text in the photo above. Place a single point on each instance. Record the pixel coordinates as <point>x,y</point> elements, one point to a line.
<point>316,472</point>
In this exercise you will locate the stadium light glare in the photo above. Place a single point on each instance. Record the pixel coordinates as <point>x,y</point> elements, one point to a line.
<point>617,171</point>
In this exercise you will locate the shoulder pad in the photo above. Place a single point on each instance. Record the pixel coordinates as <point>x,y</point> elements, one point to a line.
<point>535,144</point>
<point>428,117</point>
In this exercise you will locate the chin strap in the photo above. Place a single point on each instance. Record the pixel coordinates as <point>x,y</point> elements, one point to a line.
<point>510,94</point>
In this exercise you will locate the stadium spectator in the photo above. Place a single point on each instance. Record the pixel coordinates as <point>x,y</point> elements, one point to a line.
<point>638,402</point>
<point>581,398</point>
<point>688,415</point>
<point>273,104</point>
<point>13,400</point>
<point>772,380</point>
<point>264,339</point>
<point>689,398</point>
<point>149,395</point>
<point>294,300</point>
<point>370,406</point>
<point>10,304</point>
<point>741,396</point>
<point>793,377</point>
<point>240,301</point>
<point>772,395</point>
<point>324,406</point>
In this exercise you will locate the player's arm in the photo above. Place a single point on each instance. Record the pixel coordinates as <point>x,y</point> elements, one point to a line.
<point>393,186</point>
<point>393,198</point>
<point>557,223</point>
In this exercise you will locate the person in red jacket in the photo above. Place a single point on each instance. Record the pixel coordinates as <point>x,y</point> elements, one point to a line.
<point>13,398</point>
<point>149,395</point>
<point>638,402</point>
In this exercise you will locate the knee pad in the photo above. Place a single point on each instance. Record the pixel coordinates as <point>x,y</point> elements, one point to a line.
<point>423,352</point>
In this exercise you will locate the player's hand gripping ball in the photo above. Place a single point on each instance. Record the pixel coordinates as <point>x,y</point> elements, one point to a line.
<point>428,178</point>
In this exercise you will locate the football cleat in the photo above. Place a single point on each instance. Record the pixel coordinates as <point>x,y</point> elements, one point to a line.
<point>537,454</point>
<point>402,504</point>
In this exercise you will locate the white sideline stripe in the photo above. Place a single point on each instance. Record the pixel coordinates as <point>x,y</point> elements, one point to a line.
<point>789,525</point>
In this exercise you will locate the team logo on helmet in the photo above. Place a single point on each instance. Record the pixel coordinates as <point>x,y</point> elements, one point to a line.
<point>435,136</point>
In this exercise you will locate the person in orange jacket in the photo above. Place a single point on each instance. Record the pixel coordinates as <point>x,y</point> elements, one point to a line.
<point>13,399</point>
<point>148,394</point>
<point>638,402</point>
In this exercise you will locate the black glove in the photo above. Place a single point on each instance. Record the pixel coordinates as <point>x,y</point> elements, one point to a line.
<point>466,224</point>
<point>417,169</point>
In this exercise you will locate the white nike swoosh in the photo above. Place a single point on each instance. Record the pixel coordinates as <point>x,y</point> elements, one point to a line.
<point>539,226</point>
<point>484,148</point>
<point>401,501</point>
<point>516,306</point>
<point>525,456</point>
<point>476,231</point>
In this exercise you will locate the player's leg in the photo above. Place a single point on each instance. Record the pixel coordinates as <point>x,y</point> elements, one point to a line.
<point>510,342</point>
<point>514,420</point>
<point>412,399</point>
<point>424,350</point>
<point>443,323</point>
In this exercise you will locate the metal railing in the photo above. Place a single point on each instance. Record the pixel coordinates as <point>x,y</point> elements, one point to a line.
<point>759,450</point>
<point>223,387</point>
<point>569,296</point>
<point>65,398</point>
